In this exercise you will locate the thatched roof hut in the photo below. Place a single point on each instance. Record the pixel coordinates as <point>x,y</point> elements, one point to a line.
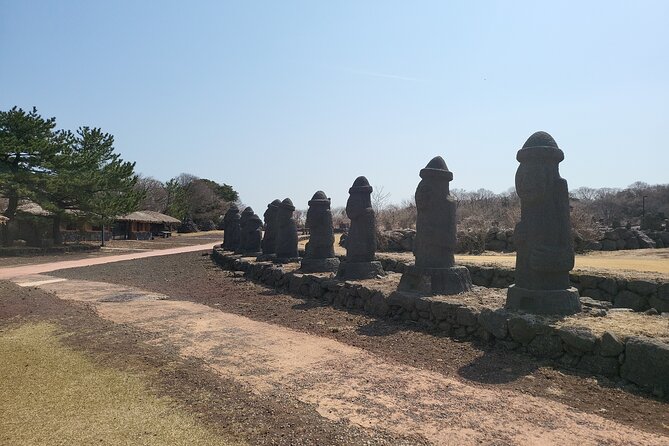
<point>143,225</point>
<point>149,217</point>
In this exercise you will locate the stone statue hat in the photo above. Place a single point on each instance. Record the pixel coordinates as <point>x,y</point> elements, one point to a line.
<point>233,209</point>
<point>360,185</point>
<point>319,198</point>
<point>255,218</point>
<point>274,204</point>
<point>287,203</point>
<point>436,167</point>
<point>540,147</point>
<point>247,211</point>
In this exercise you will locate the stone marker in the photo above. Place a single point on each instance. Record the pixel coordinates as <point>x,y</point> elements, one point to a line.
<point>231,228</point>
<point>319,255</point>
<point>268,244</point>
<point>253,231</point>
<point>545,249</point>
<point>435,271</point>
<point>246,214</point>
<point>361,241</point>
<point>286,233</point>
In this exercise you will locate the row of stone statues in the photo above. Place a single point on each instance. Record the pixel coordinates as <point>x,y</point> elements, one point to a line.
<point>545,253</point>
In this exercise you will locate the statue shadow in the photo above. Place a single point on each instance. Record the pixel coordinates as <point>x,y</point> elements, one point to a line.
<point>498,366</point>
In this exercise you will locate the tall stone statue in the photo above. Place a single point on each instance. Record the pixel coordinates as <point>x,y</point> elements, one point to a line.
<point>435,271</point>
<point>320,256</point>
<point>269,237</point>
<point>246,214</point>
<point>286,233</point>
<point>231,228</point>
<point>361,241</point>
<point>252,234</point>
<point>545,249</point>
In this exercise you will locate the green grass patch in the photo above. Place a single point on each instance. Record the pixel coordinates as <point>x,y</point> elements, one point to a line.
<point>53,395</point>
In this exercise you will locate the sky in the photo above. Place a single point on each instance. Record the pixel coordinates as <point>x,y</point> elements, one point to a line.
<point>284,98</point>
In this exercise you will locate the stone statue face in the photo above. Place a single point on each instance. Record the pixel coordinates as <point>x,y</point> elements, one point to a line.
<point>269,214</point>
<point>359,201</point>
<point>311,214</point>
<point>533,181</point>
<point>284,214</point>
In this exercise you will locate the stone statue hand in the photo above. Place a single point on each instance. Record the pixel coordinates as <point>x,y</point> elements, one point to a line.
<point>551,258</point>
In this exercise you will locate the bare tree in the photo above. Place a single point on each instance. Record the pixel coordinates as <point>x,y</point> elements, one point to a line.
<point>379,199</point>
<point>154,194</point>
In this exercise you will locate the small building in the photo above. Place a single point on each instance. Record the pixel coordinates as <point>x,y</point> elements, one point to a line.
<point>144,225</point>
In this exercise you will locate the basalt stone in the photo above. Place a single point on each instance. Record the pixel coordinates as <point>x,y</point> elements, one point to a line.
<point>361,241</point>
<point>581,340</point>
<point>252,231</point>
<point>246,214</point>
<point>494,321</point>
<point>522,328</point>
<point>610,345</point>
<point>319,253</point>
<point>628,299</point>
<point>647,363</point>
<point>286,233</point>
<point>435,271</point>
<point>268,243</point>
<point>599,365</point>
<point>231,229</point>
<point>545,248</point>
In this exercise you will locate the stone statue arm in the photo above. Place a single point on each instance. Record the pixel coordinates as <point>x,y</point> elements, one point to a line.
<point>551,258</point>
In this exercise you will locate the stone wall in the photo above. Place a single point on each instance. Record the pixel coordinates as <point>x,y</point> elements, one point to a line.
<point>639,295</point>
<point>639,360</point>
<point>501,240</point>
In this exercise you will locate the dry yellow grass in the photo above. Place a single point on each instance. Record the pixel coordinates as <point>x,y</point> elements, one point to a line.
<point>52,395</point>
<point>640,263</point>
<point>623,324</point>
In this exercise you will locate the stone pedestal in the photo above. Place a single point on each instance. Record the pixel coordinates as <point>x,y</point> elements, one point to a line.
<point>453,280</point>
<point>266,258</point>
<point>556,302</point>
<point>360,270</point>
<point>286,259</point>
<point>327,265</point>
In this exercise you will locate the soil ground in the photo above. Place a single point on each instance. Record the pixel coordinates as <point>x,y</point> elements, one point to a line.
<point>192,277</point>
<point>270,368</point>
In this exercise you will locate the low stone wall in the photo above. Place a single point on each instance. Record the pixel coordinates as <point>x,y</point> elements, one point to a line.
<point>639,360</point>
<point>639,295</point>
<point>501,240</point>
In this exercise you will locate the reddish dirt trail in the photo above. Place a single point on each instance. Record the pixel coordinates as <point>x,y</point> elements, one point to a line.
<point>345,382</point>
<point>18,271</point>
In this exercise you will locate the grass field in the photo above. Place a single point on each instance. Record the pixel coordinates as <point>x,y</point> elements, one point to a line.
<point>52,395</point>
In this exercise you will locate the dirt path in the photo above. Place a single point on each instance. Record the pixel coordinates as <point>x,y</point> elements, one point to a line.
<point>18,271</point>
<point>345,382</point>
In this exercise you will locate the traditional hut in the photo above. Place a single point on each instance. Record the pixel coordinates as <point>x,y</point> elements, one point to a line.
<point>144,225</point>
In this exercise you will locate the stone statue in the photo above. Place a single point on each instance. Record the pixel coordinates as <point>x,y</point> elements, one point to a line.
<point>286,233</point>
<point>434,271</point>
<point>361,241</point>
<point>320,256</point>
<point>246,214</point>
<point>269,238</point>
<point>231,228</point>
<point>252,234</point>
<point>545,248</point>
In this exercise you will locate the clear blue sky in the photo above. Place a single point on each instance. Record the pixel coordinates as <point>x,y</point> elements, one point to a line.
<point>282,98</point>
